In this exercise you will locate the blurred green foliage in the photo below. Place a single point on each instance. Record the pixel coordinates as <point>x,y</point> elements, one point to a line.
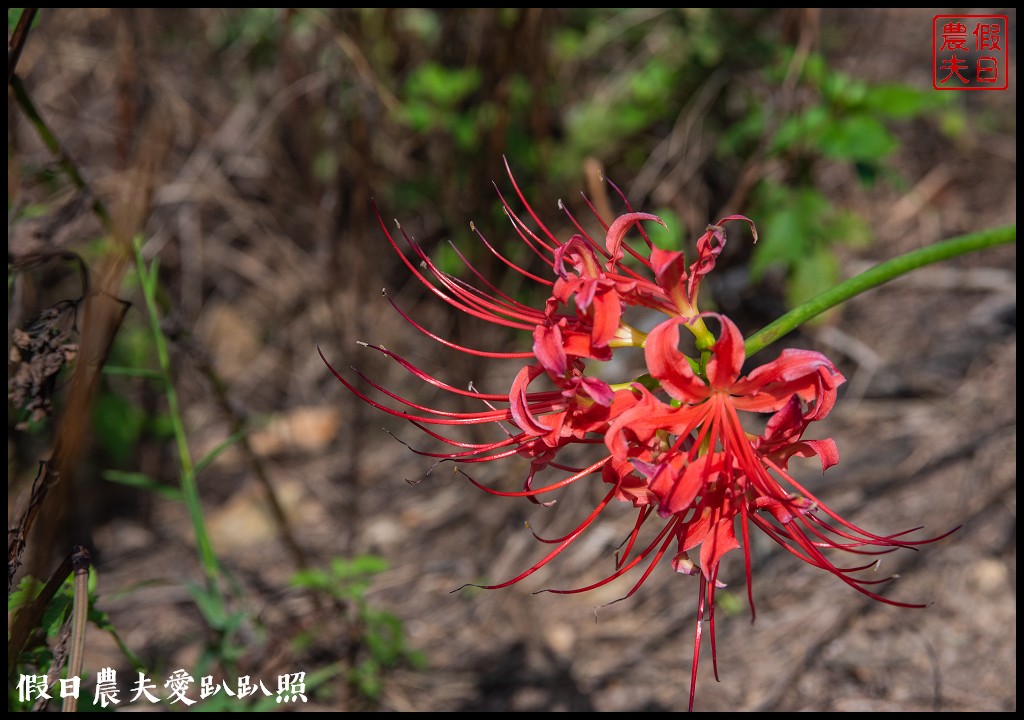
<point>381,633</point>
<point>843,120</point>
<point>52,636</point>
<point>551,88</point>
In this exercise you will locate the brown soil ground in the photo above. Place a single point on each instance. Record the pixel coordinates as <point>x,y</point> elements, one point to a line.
<point>926,429</point>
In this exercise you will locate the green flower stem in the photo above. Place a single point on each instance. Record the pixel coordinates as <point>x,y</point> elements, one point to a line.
<point>189,489</point>
<point>874,277</point>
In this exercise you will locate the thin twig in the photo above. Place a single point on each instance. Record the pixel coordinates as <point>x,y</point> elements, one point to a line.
<point>238,429</point>
<point>17,42</point>
<point>46,478</point>
<point>50,140</point>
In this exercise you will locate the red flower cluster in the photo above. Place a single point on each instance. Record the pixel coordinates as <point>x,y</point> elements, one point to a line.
<point>671,442</point>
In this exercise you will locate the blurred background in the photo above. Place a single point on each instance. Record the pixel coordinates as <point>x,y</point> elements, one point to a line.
<point>191,213</point>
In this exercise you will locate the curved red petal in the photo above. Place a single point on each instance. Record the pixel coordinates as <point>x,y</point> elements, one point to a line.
<point>727,361</point>
<point>547,346</point>
<point>617,231</point>
<point>720,540</point>
<point>669,366</point>
<point>518,402</point>
<point>677,483</point>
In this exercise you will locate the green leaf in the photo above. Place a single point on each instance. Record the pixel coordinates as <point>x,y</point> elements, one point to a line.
<point>857,138</point>
<point>789,232</point>
<point>343,569</point>
<point>58,610</point>
<point>666,238</point>
<point>567,43</point>
<point>418,115</point>
<point>209,606</point>
<point>742,135</point>
<point>132,353</point>
<point>843,90</point>
<point>441,86</point>
<point>849,228</point>
<point>311,578</point>
<point>369,564</point>
<point>802,131</point>
<point>953,123</point>
<point>464,130</point>
<point>902,101</point>
<point>366,677</point>
<point>652,82</point>
<point>143,481</point>
<point>118,424</point>
<point>385,637</point>
<point>447,259</point>
<point>814,274</point>
<point>27,590</point>
<point>221,447</point>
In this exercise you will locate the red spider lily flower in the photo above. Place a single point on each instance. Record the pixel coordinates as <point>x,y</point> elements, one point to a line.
<point>703,470</point>
<point>581,321</point>
<point>670,443</point>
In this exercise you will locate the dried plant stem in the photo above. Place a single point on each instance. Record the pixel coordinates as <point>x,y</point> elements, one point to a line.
<point>80,561</point>
<point>17,42</point>
<point>31,614</point>
<point>51,142</point>
<point>238,429</point>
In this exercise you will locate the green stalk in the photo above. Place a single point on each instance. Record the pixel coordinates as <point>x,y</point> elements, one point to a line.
<point>189,489</point>
<point>874,277</point>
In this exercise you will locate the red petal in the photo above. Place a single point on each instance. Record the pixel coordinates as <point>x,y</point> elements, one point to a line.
<point>607,313</point>
<point>826,450</point>
<point>581,255</point>
<point>724,367</point>
<point>518,402</point>
<point>669,366</point>
<point>682,563</point>
<point>804,373</point>
<point>670,271</point>
<point>709,247</point>
<point>720,540</point>
<point>547,346</point>
<point>598,390</point>
<point>636,426</point>
<point>677,487</point>
<point>618,229</point>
